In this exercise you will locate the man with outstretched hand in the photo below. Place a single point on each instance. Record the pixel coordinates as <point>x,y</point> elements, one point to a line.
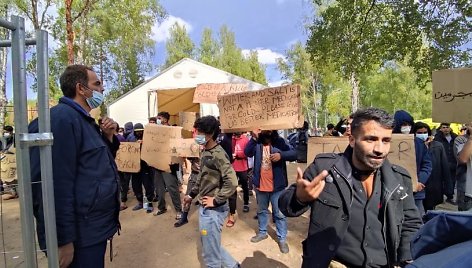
<point>362,208</point>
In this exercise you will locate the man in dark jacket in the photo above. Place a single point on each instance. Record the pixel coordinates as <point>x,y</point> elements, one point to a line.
<point>446,136</point>
<point>362,208</point>
<point>270,153</point>
<point>84,172</point>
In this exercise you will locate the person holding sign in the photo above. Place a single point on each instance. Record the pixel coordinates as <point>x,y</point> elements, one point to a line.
<point>463,151</point>
<point>216,182</point>
<point>270,153</point>
<point>362,209</point>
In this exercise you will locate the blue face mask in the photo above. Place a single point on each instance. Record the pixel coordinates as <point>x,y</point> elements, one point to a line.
<point>158,121</point>
<point>200,139</point>
<point>422,136</point>
<point>96,100</point>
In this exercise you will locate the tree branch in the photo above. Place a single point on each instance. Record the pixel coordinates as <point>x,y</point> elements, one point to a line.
<point>48,4</point>
<point>84,8</point>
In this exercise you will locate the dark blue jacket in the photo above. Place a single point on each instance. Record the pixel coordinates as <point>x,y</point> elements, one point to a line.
<point>424,164</point>
<point>279,169</point>
<point>85,178</point>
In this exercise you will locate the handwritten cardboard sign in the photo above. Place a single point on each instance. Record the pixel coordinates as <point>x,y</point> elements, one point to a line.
<point>8,166</point>
<point>187,119</point>
<point>128,157</point>
<point>184,148</point>
<point>269,109</point>
<point>402,150</point>
<point>452,95</point>
<point>156,145</point>
<point>208,93</point>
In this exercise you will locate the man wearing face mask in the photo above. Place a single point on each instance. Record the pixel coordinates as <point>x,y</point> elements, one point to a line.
<point>403,124</point>
<point>215,183</point>
<point>143,177</point>
<point>270,153</point>
<point>86,182</point>
<point>8,138</point>
<point>439,182</point>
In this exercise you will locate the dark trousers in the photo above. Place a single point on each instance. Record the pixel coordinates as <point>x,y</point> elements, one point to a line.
<point>140,179</point>
<point>124,185</point>
<point>242,180</point>
<point>91,256</point>
<point>452,185</point>
<point>167,180</point>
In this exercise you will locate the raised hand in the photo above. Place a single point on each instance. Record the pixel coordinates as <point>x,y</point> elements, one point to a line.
<point>307,191</point>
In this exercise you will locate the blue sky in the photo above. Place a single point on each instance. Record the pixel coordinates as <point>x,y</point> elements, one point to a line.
<point>268,26</point>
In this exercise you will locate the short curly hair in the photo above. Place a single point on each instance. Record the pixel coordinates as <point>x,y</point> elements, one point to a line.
<point>208,125</point>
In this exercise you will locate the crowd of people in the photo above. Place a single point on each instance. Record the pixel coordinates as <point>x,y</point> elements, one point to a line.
<point>364,211</point>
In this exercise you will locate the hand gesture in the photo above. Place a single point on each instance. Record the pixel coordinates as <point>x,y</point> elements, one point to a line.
<point>187,200</point>
<point>66,255</point>
<point>207,202</point>
<point>275,157</point>
<point>108,127</point>
<point>420,187</point>
<point>308,191</point>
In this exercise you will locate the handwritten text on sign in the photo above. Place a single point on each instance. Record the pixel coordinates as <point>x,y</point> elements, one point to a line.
<point>208,93</point>
<point>184,148</point>
<point>271,108</point>
<point>402,150</point>
<point>156,145</point>
<point>452,95</point>
<point>128,157</point>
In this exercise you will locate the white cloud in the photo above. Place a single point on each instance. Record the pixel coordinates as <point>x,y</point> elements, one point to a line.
<point>160,31</point>
<point>264,55</point>
<point>277,83</point>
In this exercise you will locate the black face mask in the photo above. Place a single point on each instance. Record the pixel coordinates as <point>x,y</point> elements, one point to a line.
<point>138,135</point>
<point>264,138</point>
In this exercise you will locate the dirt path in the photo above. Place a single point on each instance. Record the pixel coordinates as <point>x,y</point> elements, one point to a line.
<point>153,241</point>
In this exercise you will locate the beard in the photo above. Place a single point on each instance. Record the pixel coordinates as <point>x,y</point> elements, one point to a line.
<point>369,162</point>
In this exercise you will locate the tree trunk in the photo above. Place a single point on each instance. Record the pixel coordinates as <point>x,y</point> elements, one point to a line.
<point>4,35</point>
<point>355,92</point>
<point>69,32</point>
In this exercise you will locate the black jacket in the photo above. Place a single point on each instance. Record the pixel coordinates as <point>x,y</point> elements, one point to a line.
<point>439,183</point>
<point>449,148</point>
<point>330,213</point>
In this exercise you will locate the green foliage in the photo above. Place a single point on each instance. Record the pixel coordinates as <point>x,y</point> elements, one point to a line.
<point>209,48</point>
<point>179,45</point>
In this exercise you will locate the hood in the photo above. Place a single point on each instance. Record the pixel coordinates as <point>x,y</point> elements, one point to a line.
<point>400,117</point>
<point>128,127</point>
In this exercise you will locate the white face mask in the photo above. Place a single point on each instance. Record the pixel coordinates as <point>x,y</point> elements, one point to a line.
<point>6,134</point>
<point>405,129</point>
<point>422,136</point>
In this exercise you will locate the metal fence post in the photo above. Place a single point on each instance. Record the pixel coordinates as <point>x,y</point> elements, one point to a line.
<point>22,154</point>
<point>45,151</point>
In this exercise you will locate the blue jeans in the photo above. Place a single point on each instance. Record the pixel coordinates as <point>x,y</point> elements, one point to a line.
<point>210,223</point>
<point>263,199</point>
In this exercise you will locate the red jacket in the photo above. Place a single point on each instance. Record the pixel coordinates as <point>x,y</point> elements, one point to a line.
<point>240,159</point>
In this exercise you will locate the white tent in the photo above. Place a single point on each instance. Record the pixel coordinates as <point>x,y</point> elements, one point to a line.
<point>172,91</point>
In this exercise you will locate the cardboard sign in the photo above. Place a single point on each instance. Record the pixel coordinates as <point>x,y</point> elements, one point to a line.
<point>402,150</point>
<point>452,95</point>
<point>269,109</point>
<point>8,166</point>
<point>128,157</point>
<point>187,119</point>
<point>156,145</point>
<point>184,148</point>
<point>208,93</point>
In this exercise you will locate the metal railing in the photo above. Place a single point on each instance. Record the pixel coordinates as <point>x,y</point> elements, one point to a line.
<point>24,140</point>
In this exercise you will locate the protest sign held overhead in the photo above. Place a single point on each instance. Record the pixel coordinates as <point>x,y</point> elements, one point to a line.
<point>184,148</point>
<point>208,93</point>
<point>187,119</point>
<point>402,150</point>
<point>128,157</point>
<point>269,109</point>
<point>452,95</point>
<point>156,145</point>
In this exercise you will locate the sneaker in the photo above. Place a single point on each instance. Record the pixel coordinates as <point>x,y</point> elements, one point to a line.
<point>283,246</point>
<point>178,216</point>
<point>246,208</point>
<point>181,222</point>
<point>138,206</point>
<point>160,212</point>
<point>149,208</point>
<point>258,238</point>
